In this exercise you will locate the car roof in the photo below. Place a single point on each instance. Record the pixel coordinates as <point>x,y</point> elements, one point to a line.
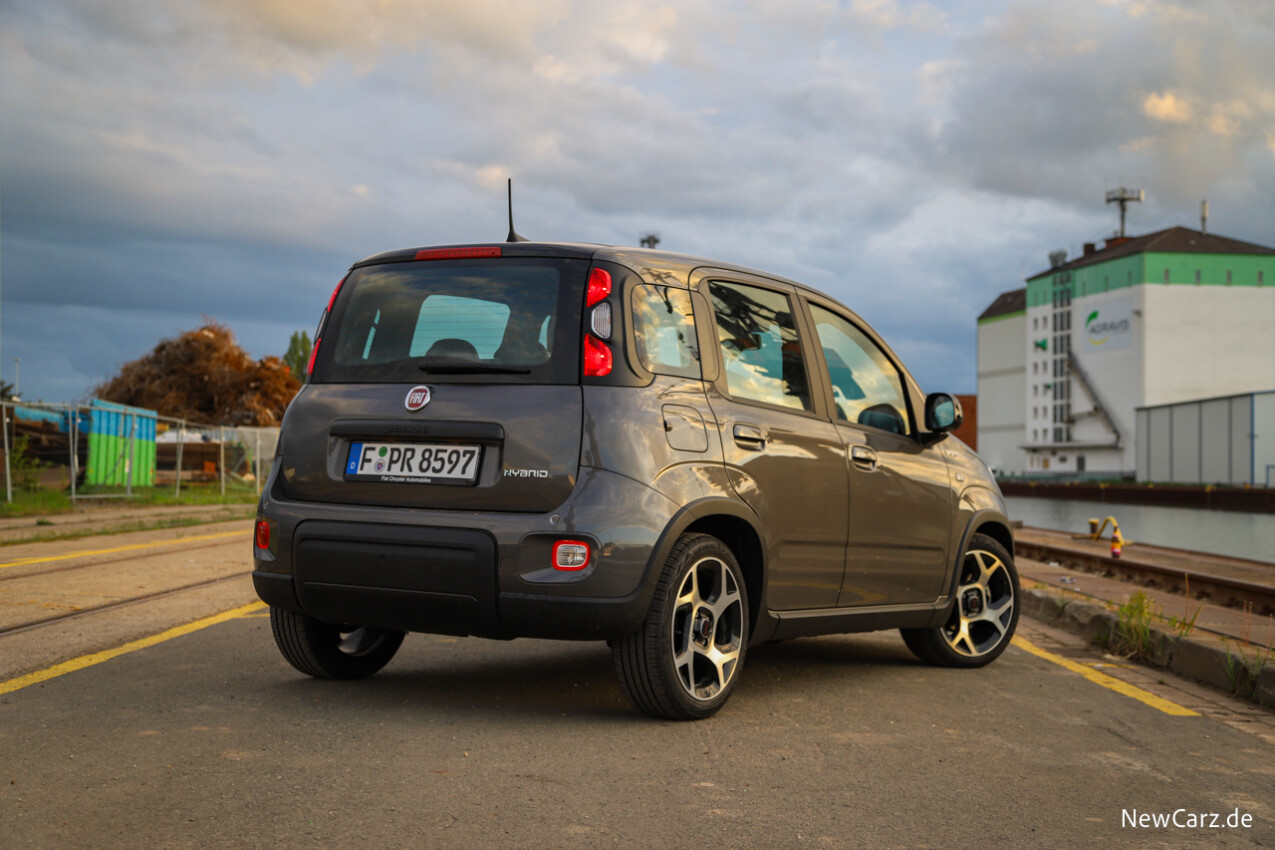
<point>650,263</point>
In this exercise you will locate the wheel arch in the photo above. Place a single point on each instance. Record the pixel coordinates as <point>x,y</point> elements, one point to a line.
<point>733,524</point>
<point>989,521</point>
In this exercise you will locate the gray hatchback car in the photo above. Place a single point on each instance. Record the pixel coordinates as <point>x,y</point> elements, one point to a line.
<point>678,456</point>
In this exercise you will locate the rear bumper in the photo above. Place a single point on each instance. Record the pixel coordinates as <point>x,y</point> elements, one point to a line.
<point>483,574</point>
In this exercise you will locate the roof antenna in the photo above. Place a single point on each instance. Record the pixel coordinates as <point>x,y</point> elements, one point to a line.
<point>513,234</point>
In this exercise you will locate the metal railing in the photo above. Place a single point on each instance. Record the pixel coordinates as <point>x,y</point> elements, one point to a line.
<point>39,439</point>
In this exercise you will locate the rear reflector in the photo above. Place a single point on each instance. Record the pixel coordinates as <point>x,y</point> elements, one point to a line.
<point>600,320</point>
<point>597,357</point>
<point>458,253</point>
<point>570,555</point>
<point>599,286</point>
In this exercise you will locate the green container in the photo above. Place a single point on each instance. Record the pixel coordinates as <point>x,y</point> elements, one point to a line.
<point>121,445</point>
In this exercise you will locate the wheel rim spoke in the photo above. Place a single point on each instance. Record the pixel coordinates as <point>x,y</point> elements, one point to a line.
<point>707,629</point>
<point>985,581</point>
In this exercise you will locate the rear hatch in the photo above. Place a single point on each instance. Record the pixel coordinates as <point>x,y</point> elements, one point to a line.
<point>444,379</point>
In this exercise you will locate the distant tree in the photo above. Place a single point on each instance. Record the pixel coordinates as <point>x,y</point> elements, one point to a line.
<point>6,391</point>
<point>298,356</point>
<point>204,376</point>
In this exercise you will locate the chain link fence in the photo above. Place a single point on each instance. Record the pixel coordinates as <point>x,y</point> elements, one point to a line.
<point>102,450</point>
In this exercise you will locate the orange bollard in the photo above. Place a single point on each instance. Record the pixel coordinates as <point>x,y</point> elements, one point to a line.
<point>1116,543</point>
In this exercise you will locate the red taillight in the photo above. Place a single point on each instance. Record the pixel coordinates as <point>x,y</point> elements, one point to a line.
<point>314,352</point>
<point>335,291</point>
<point>597,357</point>
<point>458,253</point>
<point>263,534</point>
<point>570,555</point>
<point>323,320</point>
<point>599,286</point>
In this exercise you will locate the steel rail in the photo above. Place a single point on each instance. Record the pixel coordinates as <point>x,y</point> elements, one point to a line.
<point>1215,589</point>
<point>121,603</point>
<point>120,559</point>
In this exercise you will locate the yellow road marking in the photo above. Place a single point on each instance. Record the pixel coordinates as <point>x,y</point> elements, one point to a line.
<point>107,654</point>
<point>22,562</point>
<point>1106,681</point>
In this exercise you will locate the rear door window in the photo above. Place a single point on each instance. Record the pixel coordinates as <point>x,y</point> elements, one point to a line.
<point>502,320</point>
<point>761,352</point>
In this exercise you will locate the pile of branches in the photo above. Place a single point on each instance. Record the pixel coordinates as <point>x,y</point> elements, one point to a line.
<point>204,376</point>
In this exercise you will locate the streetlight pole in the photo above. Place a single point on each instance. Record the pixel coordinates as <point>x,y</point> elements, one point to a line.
<point>16,361</point>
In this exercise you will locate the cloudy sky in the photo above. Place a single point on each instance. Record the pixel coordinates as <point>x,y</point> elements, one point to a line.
<point>166,160</point>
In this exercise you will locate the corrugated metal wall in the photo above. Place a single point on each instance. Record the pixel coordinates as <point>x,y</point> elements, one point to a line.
<point>1228,440</point>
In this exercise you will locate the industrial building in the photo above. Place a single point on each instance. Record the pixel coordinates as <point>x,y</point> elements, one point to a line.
<point>1078,369</point>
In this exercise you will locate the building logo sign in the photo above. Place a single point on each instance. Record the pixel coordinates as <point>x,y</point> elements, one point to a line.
<point>1110,326</point>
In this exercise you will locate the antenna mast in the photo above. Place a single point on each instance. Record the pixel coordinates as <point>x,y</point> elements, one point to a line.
<point>513,234</point>
<point>1123,197</point>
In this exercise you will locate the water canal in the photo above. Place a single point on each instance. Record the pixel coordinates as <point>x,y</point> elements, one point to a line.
<point>1241,535</point>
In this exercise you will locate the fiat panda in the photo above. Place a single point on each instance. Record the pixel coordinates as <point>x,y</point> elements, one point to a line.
<point>678,456</point>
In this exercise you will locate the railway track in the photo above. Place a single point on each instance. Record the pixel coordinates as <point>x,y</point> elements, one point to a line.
<point>121,603</point>
<point>93,581</point>
<point>1231,582</point>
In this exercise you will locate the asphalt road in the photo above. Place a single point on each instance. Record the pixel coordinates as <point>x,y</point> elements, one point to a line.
<point>210,739</point>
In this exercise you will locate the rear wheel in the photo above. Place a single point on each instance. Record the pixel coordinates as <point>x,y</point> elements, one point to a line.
<point>326,651</point>
<point>985,613</point>
<point>685,661</point>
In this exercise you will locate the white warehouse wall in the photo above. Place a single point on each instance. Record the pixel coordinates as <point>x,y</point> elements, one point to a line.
<point>1207,341</point>
<point>1001,388</point>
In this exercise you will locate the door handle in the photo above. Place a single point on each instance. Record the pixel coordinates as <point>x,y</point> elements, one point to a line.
<point>863,457</point>
<point>747,436</point>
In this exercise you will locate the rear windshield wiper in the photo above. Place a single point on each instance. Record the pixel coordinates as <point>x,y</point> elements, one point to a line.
<point>461,366</point>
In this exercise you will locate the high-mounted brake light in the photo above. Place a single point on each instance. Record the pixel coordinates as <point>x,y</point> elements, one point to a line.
<point>599,286</point>
<point>458,253</point>
<point>597,357</point>
<point>570,555</point>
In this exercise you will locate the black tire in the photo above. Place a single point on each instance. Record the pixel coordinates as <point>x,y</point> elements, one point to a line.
<point>684,662</point>
<point>985,613</point>
<point>326,651</point>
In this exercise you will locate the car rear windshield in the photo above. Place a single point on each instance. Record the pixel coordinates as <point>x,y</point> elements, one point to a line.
<point>509,320</point>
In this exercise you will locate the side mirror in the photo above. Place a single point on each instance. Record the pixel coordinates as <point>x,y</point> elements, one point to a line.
<point>942,413</point>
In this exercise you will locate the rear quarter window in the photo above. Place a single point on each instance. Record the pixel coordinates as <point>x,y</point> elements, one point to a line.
<point>664,331</point>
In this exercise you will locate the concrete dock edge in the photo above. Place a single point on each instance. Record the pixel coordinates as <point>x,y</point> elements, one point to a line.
<point>1226,664</point>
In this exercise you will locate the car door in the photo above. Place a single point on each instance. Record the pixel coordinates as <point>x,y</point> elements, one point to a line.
<point>784,458</point>
<point>900,502</point>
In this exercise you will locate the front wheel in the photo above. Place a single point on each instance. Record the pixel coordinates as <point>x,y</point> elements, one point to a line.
<point>685,660</point>
<point>984,615</point>
<point>326,651</point>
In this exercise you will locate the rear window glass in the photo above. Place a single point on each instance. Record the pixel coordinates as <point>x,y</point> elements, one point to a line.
<point>511,320</point>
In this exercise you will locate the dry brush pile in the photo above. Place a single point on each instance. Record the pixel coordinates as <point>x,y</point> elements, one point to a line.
<point>204,376</point>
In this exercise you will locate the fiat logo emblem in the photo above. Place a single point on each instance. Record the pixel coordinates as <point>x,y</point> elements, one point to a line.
<point>417,397</point>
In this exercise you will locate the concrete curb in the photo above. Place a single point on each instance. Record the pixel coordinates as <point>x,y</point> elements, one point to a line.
<point>1220,663</point>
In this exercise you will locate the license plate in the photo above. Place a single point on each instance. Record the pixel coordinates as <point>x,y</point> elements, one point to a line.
<point>415,463</point>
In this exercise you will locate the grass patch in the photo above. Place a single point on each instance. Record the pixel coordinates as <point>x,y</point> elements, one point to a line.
<point>1133,638</point>
<point>46,502</point>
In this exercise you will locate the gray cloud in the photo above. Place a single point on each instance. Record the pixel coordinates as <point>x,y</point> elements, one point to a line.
<point>164,160</point>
